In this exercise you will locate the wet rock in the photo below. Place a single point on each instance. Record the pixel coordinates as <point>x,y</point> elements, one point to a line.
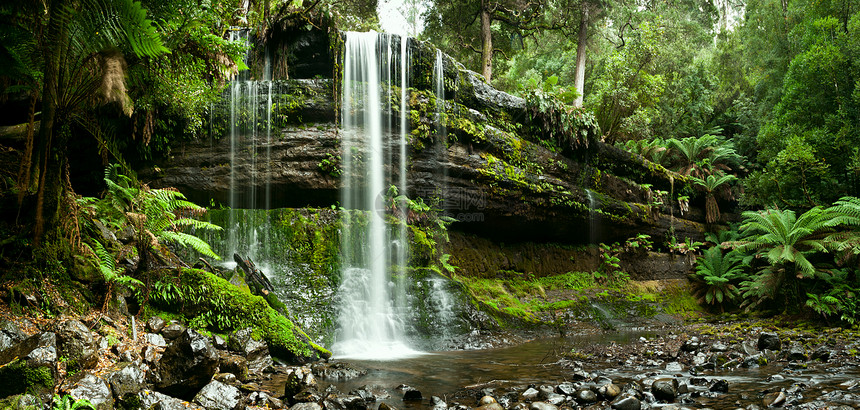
<point>76,343</point>
<point>665,389</point>
<point>256,351</point>
<point>719,347</point>
<point>719,386</point>
<point>219,396</point>
<point>150,354</point>
<point>337,371</point>
<point>769,341</point>
<point>187,365</point>
<point>626,403</point>
<point>691,345</point>
<point>93,388</point>
<point>172,331</point>
<point>540,405</point>
<point>438,404</point>
<point>566,388</point>
<point>219,342</point>
<point>490,406</point>
<point>386,406</point>
<point>307,406</point>
<point>20,402</point>
<point>309,394</point>
<point>530,394</point>
<point>125,381</point>
<point>236,365</point>
<point>674,367</point>
<point>370,394</point>
<point>343,402</point>
<point>30,366</point>
<point>263,399</point>
<point>822,353</point>
<point>585,396</point>
<point>155,324</point>
<point>409,393</point>
<point>545,391</point>
<point>609,391</point>
<point>299,379</point>
<point>774,399</point>
<point>10,334</point>
<point>796,353</point>
<point>155,339</point>
<point>754,361</point>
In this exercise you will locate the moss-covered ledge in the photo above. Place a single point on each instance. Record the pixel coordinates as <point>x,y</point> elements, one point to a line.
<point>210,302</point>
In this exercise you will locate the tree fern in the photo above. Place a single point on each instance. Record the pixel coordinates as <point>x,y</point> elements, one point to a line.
<point>715,273</point>
<point>711,184</point>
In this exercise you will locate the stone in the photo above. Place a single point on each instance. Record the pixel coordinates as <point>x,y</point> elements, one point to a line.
<point>585,396</point>
<point>126,380</point>
<point>409,393</point>
<point>720,386</point>
<point>626,403</point>
<point>530,394</point>
<point>491,406</point>
<point>386,406</point>
<point>263,399</point>
<point>774,399</point>
<point>337,371</point>
<point>150,354</point>
<point>299,379</point>
<point>691,345</point>
<point>172,331</point>
<point>609,391</point>
<point>719,347</point>
<point>306,406</point>
<point>256,351</point>
<point>93,388</point>
<point>30,366</point>
<point>796,353</point>
<point>665,389</point>
<point>754,361</point>
<point>769,341</point>
<point>10,334</point>
<point>187,365</point>
<point>484,400</point>
<point>219,342</point>
<point>821,353</point>
<point>155,324</point>
<point>155,339</point>
<point>337,401</point>
<point>566,388</point>
<point>236,365</point>
<point>545,391</point>
<point>439,404</point>
<point>540,405</point>
<point>219,396</point>
<point>674,367</point>
<point>76,343</point>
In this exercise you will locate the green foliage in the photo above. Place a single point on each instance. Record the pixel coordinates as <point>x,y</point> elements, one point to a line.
<point>67,402</point>
<point>158,215</point>
<point>553,119</point>
<point>718,275</point>
<point>609,271</point>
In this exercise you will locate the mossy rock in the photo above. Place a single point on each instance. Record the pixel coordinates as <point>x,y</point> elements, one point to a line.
<point>17,377</point>
<point>212,302</point>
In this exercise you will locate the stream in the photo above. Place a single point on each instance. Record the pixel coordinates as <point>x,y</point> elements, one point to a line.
<point>462,376</point>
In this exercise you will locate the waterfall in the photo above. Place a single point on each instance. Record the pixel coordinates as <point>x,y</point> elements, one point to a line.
<point>370,323</point>
<point>593,222</point>
<point>441,128</point>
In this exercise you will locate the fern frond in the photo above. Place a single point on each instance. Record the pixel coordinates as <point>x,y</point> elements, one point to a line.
<point>196,224</point>
<point>190,241</point>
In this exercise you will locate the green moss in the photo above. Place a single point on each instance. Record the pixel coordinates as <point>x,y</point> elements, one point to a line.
<point>211,302</point>
<point>16,377</point>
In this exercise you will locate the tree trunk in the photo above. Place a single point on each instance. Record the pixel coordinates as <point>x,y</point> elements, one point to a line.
<point>50,148</point>
<point>486,42</point>
<point>579,73</point>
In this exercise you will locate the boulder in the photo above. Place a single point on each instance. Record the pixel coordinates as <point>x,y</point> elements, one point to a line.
<point>609,391</point>
<point>720,386</point>
<point>76,343</point>
<point>540,405</point>
<point>219,396</point>
<point>796,353</point>
<point>30,366</point>
<point>626,403</point>
<point>410,393</point>
<point>20,402</point>
<point>154,400</point>
<point>10,334</point>
<point>237,365</point>
<point>307,406</point>
<point>93,388</point>
<point>155,324</point>
<point>172,331</point>
<point>186,365</point>
<point>255,351</point>
<point>665,389</point>
<point>126,380</point>
<point>298,379</point>
<point>585,396</point>
<point>769,341</point>
<point>155,339</point>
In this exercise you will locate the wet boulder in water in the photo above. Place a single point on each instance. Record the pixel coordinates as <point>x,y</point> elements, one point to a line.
<point>796,353</point>
<point>720,386</point>
<point>769,341</point>
<point>299,379</point>
<point>691,345</point>
<point>665,389</point>
<point>566,388</point>
<point>337,371</point>
<point>409,393</point>
<point>626,403</point>
<point>609,391</point>
<point>219,396</point>
<point>585,396</point>
<point>540,405</point>
<point>530,394</point>
<point>487,403</point>
<point>187,365</point>
<point>822,353</point>
<point>341,402</point>
<point>774,399</point>
<point>439,404</point>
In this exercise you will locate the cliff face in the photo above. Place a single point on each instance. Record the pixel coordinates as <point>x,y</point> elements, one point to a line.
<point>496,176</point>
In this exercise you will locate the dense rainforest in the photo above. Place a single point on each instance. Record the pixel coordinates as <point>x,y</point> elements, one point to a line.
<point>748,111</point>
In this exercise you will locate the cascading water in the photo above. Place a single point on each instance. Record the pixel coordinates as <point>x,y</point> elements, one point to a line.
<point>371,321</point>
<point>593,221</point>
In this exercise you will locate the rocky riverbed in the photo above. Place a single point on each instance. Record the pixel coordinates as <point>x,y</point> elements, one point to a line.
<point>164,365</point>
